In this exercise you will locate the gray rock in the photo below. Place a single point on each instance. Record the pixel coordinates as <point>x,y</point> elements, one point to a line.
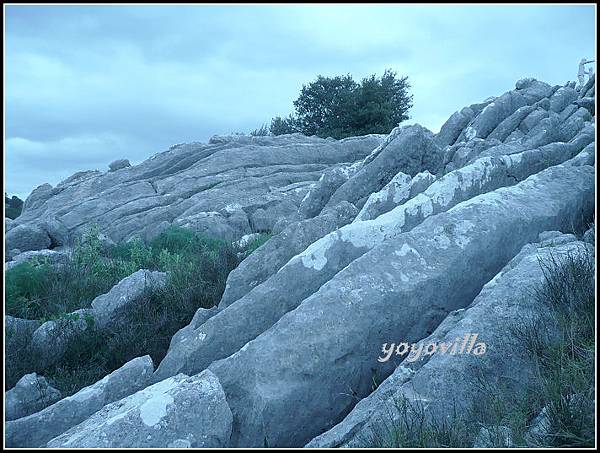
<point>413,150</point>
<point>31,394</point>
<point>588,103</point>
<point>38,196</point>
<point>10,254</point>
<point>316,354</point>
<point>52,257</point>
<point>562,98</point>
<point>270,173</point>
<point>27,237</point>
<point>532,120</point>
<point>508,125</point>
<point>328,183</point>
<point>261,307</point>
<point>119,164</point>
<point>452,128</point>
<point>35,430</point>
<point>492,115</point>
<point>180,410</point>
<point>8,224</point>
<point>437,379</point>
<point>107,307</point>
<point>53,338</point>
<point>278,250</point>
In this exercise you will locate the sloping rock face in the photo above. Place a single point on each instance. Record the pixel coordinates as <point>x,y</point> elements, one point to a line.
<point>411,237</point>
<point>31,394</point>
<point>402,288</point>
<point>37,429</point>
<point>229,187</point>
<point>180,411</point>
<point>440,380</point>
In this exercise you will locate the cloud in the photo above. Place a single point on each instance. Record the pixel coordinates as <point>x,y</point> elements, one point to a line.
<point>88,84</point>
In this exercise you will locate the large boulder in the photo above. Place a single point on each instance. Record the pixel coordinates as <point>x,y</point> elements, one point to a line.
<point>27,237</point>
<point>180,411</point>
<point>52,257</point>
<point>35,430</point>
<point>31,394</point>
<point>437,378</point>
<point>119,164</point>
<point>316,356</point>
<point>493,114</point>
<point>106,308</point>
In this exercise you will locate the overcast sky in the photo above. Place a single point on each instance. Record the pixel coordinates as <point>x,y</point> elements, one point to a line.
<point>85,85</point>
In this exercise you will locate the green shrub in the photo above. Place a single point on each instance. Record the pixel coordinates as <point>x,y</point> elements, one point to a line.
<point>198,267</point>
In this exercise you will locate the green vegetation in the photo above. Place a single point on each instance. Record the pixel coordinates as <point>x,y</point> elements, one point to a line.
<point>339,107</point>
<point>12,206</point>
<point>256,243</point>
<point>197,267</point>
<point>562,348</point>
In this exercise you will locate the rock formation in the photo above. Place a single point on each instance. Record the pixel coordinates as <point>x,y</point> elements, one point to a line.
<point>414,236</point>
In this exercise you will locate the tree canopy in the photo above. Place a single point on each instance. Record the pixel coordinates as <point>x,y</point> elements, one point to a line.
<point>339,107</point>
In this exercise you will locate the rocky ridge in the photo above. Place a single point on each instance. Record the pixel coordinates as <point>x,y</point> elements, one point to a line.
<point>411,237</point>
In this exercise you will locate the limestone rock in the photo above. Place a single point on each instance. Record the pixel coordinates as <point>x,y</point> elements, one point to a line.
<point>180,410</point>
<point>31,394</point>
<point>35,430</point>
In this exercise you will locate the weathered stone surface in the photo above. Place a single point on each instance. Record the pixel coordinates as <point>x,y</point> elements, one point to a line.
<point>52,339</point>
<point>31,394</point>
<point>493,114</point>
<point>180,344</point>
<point>437,267</point>
<point>172,187</point>
<point>399,190</point>
<point>328,183</point>
<point>52,257</point>
<point>588,103</point>
<point>37,429</point>
<point>532,120</point>
<point>508,125</point>
<point>119,164</point>
<point>413,150</point>
<point>452,128</point>
<point>305,273</point>
<point>27,237</point>
<point>562,98</point>
<point>278,250</point>
<point>181,410</point>
<point>107,307</point>
<point>436,379</point>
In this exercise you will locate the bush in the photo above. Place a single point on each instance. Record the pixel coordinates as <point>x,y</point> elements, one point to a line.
<point>198,267</point>
<point>339,107</point>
